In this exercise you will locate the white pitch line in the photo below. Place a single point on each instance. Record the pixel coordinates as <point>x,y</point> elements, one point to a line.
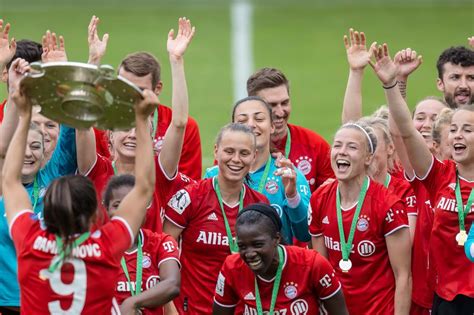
<point>241,46</point>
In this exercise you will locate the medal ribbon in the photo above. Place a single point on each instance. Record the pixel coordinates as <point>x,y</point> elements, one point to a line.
<point>346,246</point>
<point>35,193</point>
<point>462,212</point>
<point>155,122</point>
<point>288,143</point>
<point>56,262</point>
<point>387,180</point>
<point>232,244</point>
<point>276,286</point>
<point>139,269</point>
<point>263,180</point>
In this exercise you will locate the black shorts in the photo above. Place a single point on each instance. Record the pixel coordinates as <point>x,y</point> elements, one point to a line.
<point>7,311</point>
<point>461,305</point>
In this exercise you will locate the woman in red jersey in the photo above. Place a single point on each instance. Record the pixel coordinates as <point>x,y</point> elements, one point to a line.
<point>203,215</point>
<point>450,187</point>
<point>153,261</point>
<point>268,277</point>
<point>62,267</point>
<point>362,228</point>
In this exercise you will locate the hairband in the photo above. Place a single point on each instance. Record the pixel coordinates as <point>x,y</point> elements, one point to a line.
<point>366,134</point>
<point>266,210</point>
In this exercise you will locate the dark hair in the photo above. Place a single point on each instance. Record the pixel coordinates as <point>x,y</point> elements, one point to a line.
<point>266,78</point>
<point>27,49</point>
<point>263,214</point>
<point>115,183</point>
<point>141,64</point>
<point>252,98</point>
<point>69,204</point>
<point>456,55</point>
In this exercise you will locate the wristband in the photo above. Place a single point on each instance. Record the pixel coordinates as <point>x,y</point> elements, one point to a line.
<point>391,86</point>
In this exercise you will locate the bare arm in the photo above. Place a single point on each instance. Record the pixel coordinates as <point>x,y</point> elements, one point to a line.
<point>15,195</point>
<point>85,150</point>
<point>399,252</point>
<point>171,229</point>
<point>336,305</point>
<point>220,310</point>
<point>358,58</point>
<point>133,206</point>
<point>417,151</point>
<point>318,245</point>
<point>173,141</point>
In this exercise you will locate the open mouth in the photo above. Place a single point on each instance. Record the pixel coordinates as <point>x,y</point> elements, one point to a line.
<point>235,168</point>
<point>342,165</point>
<point>459,148</point>
<point>462,96</point>
<point>28,163</point>
<point>130,145</point>
<point>255,263</point>
<point>426,135</point>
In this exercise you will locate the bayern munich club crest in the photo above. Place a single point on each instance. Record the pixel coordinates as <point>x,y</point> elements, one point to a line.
<point>146,263</point>
<point>304,164</point>
<point>271,186</point>
<point>290,290</point>
<point>362,223</point>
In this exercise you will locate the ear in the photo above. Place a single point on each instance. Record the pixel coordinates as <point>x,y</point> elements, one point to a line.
<point>272,130</point>
<point>368,159</point>
<point>278,238</point>
<point>4,75</point>
<point>390,150</point>
<point>158,88</point>
<point>440,84</point>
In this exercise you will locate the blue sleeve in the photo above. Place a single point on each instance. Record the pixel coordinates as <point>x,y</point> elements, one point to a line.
<point>211,172</point>
<point>64,158</point>
<point>299,215</point>
<point>469,246</point>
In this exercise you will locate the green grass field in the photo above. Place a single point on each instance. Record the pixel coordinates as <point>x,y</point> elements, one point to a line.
<point>303,38</point>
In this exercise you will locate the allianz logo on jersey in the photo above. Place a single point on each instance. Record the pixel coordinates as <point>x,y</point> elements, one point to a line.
<point>125,286</point>
<point>364,248</point>
<point>449,205</point>
<point>212,238</point>
<point>298,307</point>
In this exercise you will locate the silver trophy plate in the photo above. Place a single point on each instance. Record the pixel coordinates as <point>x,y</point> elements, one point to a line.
<point>82,95</point>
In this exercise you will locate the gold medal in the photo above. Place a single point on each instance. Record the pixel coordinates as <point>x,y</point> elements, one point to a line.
<point>461,237</point>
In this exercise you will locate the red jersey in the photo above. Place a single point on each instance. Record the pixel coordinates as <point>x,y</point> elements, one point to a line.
<point>204,242</point>
<point>164,186</point>
<point>369,287</point>
<point>453,270</point>
<point>310,153</point>
<point>2,109</point>
<point>157,248</point>
<point>403,190</point>
<point>190,162</point>
<point>84,284</point>
<point>306,277</point>
<point>422,274</point>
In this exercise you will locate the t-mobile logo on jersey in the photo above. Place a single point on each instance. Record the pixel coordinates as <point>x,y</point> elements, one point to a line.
<point>169,247</point>
<point>212,238</point>
<point>326,281</point>
<point>389,217</point>
<point>410,201</point>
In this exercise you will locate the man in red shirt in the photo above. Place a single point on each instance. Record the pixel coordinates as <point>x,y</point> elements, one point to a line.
<point>305,148</point>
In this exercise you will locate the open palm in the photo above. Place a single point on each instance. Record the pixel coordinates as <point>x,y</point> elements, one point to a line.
<point>7,48</point>
<point>385,69</point>
<point>357,54</point>
<point>177,46</point>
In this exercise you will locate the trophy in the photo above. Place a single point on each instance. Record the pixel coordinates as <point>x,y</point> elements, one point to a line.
<point>82,95</point>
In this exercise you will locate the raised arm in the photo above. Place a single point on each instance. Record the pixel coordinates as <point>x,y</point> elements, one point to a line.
<point>407,62</point>
<point>133,206</point>
<point>86,150</point>
<point>358,58</point>
<point>417,151</point>
<point>53,50</point>
<point>7,48</point>
<point>15,195</point>
<point>97,47</point>
<point>173,141</point>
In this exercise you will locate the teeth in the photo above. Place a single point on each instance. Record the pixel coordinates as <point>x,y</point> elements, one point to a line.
<point>254,263</point>
<point>129,145</point>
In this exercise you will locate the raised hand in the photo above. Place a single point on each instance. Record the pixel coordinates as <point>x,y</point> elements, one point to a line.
<point>470,40</point>
<point>146,106</point>
<point>385,69</point>
<point>7,48</point>
<point>357,54</point>
<point>407,61</point>
<point>287,172</point>
<point>177,46</point>
<point>97,47</point>
<point>15,74</point>
<point>52,51</point>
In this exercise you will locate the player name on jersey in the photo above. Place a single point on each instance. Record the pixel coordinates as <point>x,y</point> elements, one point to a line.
<point>46,245</point>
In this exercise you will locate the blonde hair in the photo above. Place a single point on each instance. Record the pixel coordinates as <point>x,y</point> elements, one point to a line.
<point>444,118</point>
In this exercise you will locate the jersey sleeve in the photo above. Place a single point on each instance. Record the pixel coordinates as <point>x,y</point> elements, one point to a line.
<point>101,166</point>
<point>190,162</point>
<point>20,226</point>
<point>166,186</point>
<point>64,158</point>
<point>409,199</point>
<point>438,170</point>
<point>117,236</point>
<point>298,213</point>
<point>225,294</point>
<point>469,245</point>
<point>179,208</point>
<point>314,209</point>
<point>167,250</point>
<point>101,143</point>
<point>326,284</point>
<point>395,219</point>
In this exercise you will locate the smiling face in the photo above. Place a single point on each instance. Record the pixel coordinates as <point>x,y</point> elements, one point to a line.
<point>257,248</point>
<point>235,153</point>
<point>50,130</point>
<point>350,156</point>
<point>461,137</point>
<point>424,117</point>
<point>457,84</point>
<point>34,155</point>
<point>279,101</point>
<point>255,114</point>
